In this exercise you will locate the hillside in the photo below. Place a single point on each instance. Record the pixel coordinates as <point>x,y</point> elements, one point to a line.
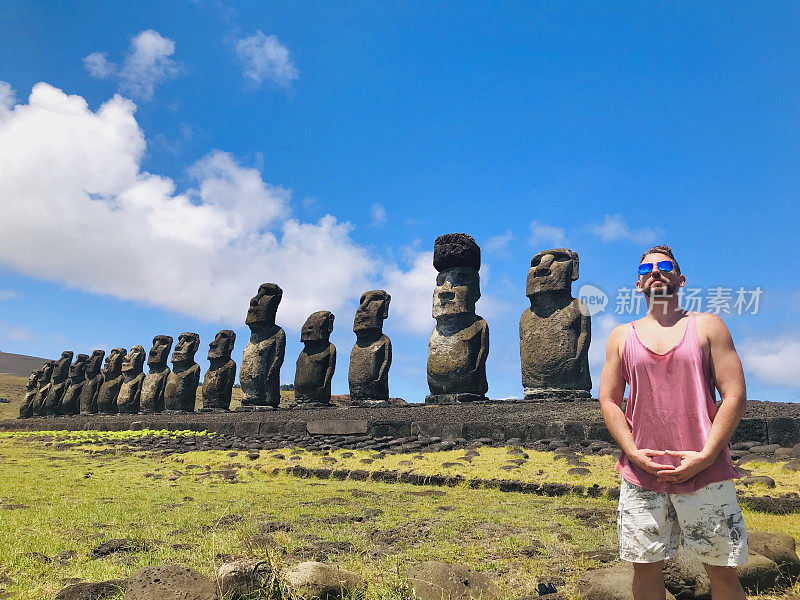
<point>19,365</point>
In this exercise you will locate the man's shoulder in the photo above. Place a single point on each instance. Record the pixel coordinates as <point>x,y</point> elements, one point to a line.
<point>709,323</point>
<point>619,334</point>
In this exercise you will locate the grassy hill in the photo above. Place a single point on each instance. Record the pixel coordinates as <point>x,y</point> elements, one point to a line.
<point>19,364</point>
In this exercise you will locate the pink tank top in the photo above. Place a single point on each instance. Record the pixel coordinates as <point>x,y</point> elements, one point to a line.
<point>670,407</point>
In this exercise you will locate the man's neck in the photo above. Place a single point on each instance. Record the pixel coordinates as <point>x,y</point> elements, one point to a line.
<point>664,310</point>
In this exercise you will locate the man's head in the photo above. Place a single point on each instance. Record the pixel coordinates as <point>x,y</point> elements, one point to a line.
<point>659,282</point>
<point>552,271</point>
<point>264,305</point>
<point>159,352</point>
<point>372,310</point>
<point>318,327</point>
<point>221,346</point>
<point>187,345</point>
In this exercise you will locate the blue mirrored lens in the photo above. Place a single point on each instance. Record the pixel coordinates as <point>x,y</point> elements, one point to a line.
<point>646,268</point>
<point>664,265</point>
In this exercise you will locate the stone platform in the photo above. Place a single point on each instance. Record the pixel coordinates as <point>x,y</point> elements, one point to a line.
<point>764,422</point>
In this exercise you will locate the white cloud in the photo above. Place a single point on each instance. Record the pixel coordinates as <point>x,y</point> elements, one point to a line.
<point>15,333</point>
<point>7,98</point>
<point>602,325</point>
<point>412,293</point>
<point>378,214</point>
<point>543,236</point>
<point>775,362</point>
<point>498,244</point>
<point>615,227</point>
<point>265,58</point>
<point>147,64</point>
<point>9,295</point>
<point>78,209</point>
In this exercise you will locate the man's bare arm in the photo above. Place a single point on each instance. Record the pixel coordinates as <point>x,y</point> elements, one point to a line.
<point>612,387</point>
<point>727,370</point>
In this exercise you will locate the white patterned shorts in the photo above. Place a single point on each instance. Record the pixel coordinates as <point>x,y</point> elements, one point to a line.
<point>708,523</point>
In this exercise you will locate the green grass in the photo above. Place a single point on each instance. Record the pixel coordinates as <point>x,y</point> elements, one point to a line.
<point>74,498</point>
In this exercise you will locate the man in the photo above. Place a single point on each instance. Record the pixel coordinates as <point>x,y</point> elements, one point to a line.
<point>675,464</point>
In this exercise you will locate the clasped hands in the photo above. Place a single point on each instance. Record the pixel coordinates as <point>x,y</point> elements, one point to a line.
<point>691,464</point>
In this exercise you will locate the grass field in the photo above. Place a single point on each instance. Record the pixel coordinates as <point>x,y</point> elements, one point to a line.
<point>64,494</point>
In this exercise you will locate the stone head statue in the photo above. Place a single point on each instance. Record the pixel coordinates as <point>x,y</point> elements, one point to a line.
<point>457,258</point>
<point>133,363</point>
<point>113,366</point>
<point>264,306</point>
<point>185,349</point>
<point>77,370</point>
<point>222,345</point>
<point>33,379</point>
<point>373,308</point>
<point>47,372</point>
<point>317,328</point>
<point>552,271</point>
<point>95,363</point>
<point>61,370</point>
<point>159,353</point>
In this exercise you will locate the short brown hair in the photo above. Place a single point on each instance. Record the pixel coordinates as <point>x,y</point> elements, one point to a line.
<point>663,249</point>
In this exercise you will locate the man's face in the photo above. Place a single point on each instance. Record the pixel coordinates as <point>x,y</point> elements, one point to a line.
<point>159,352</point>
<point>550,272</point>
<point>221,346</point>
<point>370,313</point>
<point>263,307</point>
<point>658,284</point>
<point>456,292</point>
<point>133,360</point>
<point>185,348</point>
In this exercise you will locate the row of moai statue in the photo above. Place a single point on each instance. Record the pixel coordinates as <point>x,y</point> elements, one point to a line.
<point>554,332</point>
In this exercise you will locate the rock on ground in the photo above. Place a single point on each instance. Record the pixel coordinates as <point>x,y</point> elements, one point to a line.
<point>612,582</point>
<point>91,591</point>
<point>169,582</point>
<point>313,579</point>
<point>779,547</point>
<point>242,577</point>
<point>437,581</point>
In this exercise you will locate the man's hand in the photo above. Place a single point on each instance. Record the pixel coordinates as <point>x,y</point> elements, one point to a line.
<point>691,464</point>
<point>644,458</point>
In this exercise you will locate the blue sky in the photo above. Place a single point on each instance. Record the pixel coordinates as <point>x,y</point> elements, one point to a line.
<point>158,162</point>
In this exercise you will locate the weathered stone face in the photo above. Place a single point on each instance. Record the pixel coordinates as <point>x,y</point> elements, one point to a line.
<point>456,292</point>
<point>70,401</point>
<point>33,379</point>
<point>371,356</point>
<point>219,378</point>
<point>264,306</point>
<point>459,344</point>
<point>317,361</point>
<point>263,356</point>
<point>58,384</point>
<point>555,331</point>
<point>77,370</point>
<point>159,352</point>
<point>180,391</point>
<point>133,363</point>
<point>94,379</point>
<point>45,382</point>
<point>29,398</point>
<point>221,347</point>
<point>112,381</point>
<point>318,327</point>
<point>185,349</point>
<point>552,270</point>
<point>61,370</point>
<point>373,308</point>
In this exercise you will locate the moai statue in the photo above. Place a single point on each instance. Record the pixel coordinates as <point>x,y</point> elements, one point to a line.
<point>316,363</point>
<point>29,400</point>
<point>43,389</point>
<point>218,382</point>
<point>52,404</point>
<point>180,392</point>
<point>371,355</point>
<point>554,333</point>
<point>152,397</point>
<point>260,372</point>
<point>130,392</point>
<point>112,381</point>
<point>459,344</point>
<point>71,400</point>
<point>94,379</point>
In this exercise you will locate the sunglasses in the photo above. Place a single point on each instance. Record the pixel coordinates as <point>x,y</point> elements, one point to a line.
<point>665,266</point>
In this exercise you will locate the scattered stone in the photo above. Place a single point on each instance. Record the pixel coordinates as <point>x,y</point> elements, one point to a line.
<point>758,479</point>
<point>792,465</point>
<point>579,472</point>
<point>779,547</point>
<point>91,591</point>
<point>611,582</point>
<point>436,580</point>
<point>169,582</point>
<point>313,579</point>
<point>242,578</point>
